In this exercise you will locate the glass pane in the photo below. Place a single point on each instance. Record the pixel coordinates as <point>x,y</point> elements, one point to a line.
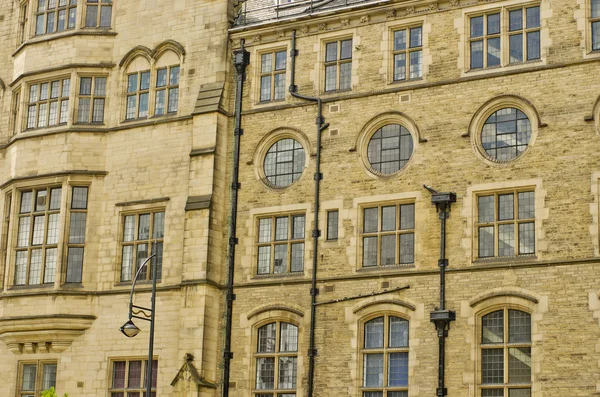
<point>533,45</point>
<point>346,76</point>
<point>287,373</point>
<point>26,202</point>
<point>407,248</point>
<point>29,372</point>
<point>398,332</point>
<point>374,333</point>
<point>135,375</point>
<point>266,63</point>
<point>519,365</point>
<point>515,20</point>
<point>288,338</point>
<point>493,24</point>
<point>407,216</point>
<point>129,228</point>
<point>476,54</point>
<point>519,392</point>
<point>50,267</point>
<point>346,52</point>
<point>35,267</point>
<point>516,48</point>
<point>49,376</point>
<point>266,338</point>
<point>98,111</point>
<point>297,264</point>
<point>526,205</point>
<point>527,238</point>
<point>143,110</point>
<point>38,230</point>
<point>332,225</point>
<point>281,257</point>
<point>264,260</point>
<point>492,393</point>
<point>91,16</point>
<point>373,370</point>
<point>477,26</point>
<point>265,373</point>
<point>371,223</point>
<point>280,60</point>
<point>74,265</point>
<point>331,51</point>
<point>144,227</point>
<point>23,233</point>
<point>79,200</point>
<point>279,93</point>
<point>281,228</point>
<point>416,69</point>
<point>158,225</point>
<point>493,52</point>
<point>492,327</point>
<point>118,375</point>
<point>264,230</point>
<point>399,67</point>
<point>53,227</point>
<point>595,8</point>
<point>398,369</point>
<point>506,240</point>
<point>369,251</point>
<point>77,228</point>
<point>506,207</point>
<point>388,250</point>
<point>330,78</point>
<point>388,218</point>
<point>105,16</point>
<point>415,37</point>
<point>127,263</point>
<point>492,366</point>
<point>519,327</point>
<point>533,17</point>
<point>21,268</point>
<point>142,255</point>
<point>485,206</point>
<point>83,111</point>
<point>399,40</point>
<point>486,241</point>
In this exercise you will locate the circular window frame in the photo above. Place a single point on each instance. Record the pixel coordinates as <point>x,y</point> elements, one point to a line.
<point>489,108</point>
<point>371,127</point>
<point>265,145</point>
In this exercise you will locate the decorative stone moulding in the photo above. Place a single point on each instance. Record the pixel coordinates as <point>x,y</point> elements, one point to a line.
<point>52,333</point>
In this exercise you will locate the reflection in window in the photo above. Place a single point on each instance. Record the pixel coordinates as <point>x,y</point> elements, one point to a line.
<point>408,53</point>
<point>138,86</point>
<point>48,103</point>
<point>143,235</point>
<point>281,244</point>
<point>276,360</point>
<point>284,162</point>
<point>390,149</point>
<point>54,16</point>
<point>338,65</point>
<point>506,134</point>
<point>98,13</point>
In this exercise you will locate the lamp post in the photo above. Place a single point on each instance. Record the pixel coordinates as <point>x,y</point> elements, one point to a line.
<point>129,329</point>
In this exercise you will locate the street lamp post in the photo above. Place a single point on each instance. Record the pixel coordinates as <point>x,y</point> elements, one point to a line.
<point>129,329</point>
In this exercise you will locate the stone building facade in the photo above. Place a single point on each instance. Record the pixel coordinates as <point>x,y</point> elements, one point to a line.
<point>113,130</point>
<point>496,101</point>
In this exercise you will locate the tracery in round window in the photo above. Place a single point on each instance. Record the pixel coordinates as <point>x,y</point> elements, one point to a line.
<point>284,162</point>
<point>390,149</point>
<point>506,134</point>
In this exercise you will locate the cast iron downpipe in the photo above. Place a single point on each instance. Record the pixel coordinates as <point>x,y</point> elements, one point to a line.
<point>241,59</point>
<point>440,316</point>
<point>321,126</point>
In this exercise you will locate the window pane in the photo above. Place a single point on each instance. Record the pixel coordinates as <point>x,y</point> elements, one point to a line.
<point>77,228</point>
<point>135,375</point>
<point>35,267</point>
<point>297,257</point>
<point>346,52</point>
<point>266,338</point>
<point>398,369</point>
<point>371,220</point>
<point>264,230</point>
<point>281,228</point>
<point>346,76</point>
<point>533,17</point>
<point>265,373</point>
<point>287,373</point>
<point>141,256</point>
<point>129,228</point>
<point>332,225</point>
<point>492,366</point>
<point>144,80</point>
<point>173,101</point>
<point>519,392</point>
<point>415,37</point>
<point>281,258</point>
<point>264,260</point>
<point>159,225</point>
<point>288,338</point>
<point>132,82</point>
<point>29,372</point>
<point>476,54</point>
<point>492,327</point>
<point>279,87</point>
<point>373,370</point>
<point>416,69</point>
<point>526,205</point>
<point>105,16</point>
<point>515,20</point>
<point>407,250</point>
<point>40,201</point>
<point>506,207</point>
<point>98,111</point>
<point>49,376</point>
<point>369,251</point>
<point>486,241</point>
<point>331,51</point>
<point>53,226</point>
<point>493,24</point>
<point>374,333</point>
<point>127,263</point>
<point>330,77</point>
<point>74,265</point>
<point>160,102</point>
<point>79,200</point>
<point>519,327</point>
<point>143,110</point>
<point>527,238</point>
<point>492,393</point>
<point>144,227</point>
<point>399,40</point>
<point>266,64</point>
<point>506,240</point>
<point>399,67</point>
<point>91,15</point>
<point>118,375</point>
<point>516,48</point>
<point>21,268</point>
<point>477,26</point>
<point>23,233</point>
<point>280,60</point>
<point>533,45</point>
<point>83,111</point>
<point>493,52</point>
<point>485,206</point>
<point>407,216</point>
<point>388,250</point>
<point>519,365</point>
<point>38,230</point>
<point>398,332</point>
<point>50,267</point>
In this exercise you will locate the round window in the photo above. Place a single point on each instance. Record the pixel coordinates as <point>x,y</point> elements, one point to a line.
<point>506,134</point>
<point>390,149</point>
<point>284,162</point>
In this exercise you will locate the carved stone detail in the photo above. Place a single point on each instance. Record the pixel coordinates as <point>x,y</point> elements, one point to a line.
<point>454,3</point>
<point>390,13</point>
<point>410,10</point>
<point>345,22</point>
<point>256,39</point>
<point>322,26</point>
<point>304,29</point>
<point>434,6</point>
<point>365,19</point>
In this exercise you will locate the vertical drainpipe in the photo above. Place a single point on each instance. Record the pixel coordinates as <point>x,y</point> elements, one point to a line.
<point>316,233</point>
<point>440,316</point>
<point>241,59</point>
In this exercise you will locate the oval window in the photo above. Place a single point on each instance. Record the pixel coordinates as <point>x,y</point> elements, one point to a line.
<point>506,134</point>
<point>284,162</point>
<point>390,148</point>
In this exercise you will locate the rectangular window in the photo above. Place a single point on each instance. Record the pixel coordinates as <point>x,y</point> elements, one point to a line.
<point>92,97</point>
<point>388,235</point>
<point>489,38</point>
<point>48,103</point>
<point>16,104</point>
<point>408,54</point>
<point>54,16</point>
<point>338,65</point>
<point>281,244</point>
<point>167,90</point>
<point>98,13</point>
<point>129,377</point>
<point>138,88</point>
<point>143,233</point>
<point>23,23</point>
<point>272,76</point>
<point>332,225</point>
<point>506,224</point>
<point>595,22</point>
<point>35,377</point>
<point>76,235</point>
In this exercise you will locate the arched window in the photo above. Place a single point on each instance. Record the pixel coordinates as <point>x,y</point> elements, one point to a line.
<point>385,357</point>
<point>276,360</point>
<point>284,162</point>
<point>505,354</point>
<point>390,148</point>
<point>506,134</point>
